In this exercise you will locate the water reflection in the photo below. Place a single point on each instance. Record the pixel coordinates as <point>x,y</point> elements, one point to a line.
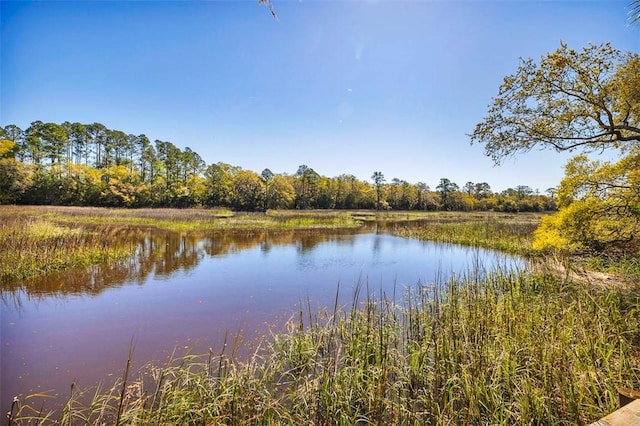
<point>161,254</point>
<point>182,290</point>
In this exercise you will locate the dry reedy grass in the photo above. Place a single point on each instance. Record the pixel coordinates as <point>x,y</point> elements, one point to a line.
<point>510,348</point>
<point>504,232</point>
<point>33,246</point>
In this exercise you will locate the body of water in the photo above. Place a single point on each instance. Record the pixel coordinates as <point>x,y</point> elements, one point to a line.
<point>188,293</point>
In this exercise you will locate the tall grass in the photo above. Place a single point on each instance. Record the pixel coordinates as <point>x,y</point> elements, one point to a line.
<point>185,220</point>
<point>34,246</point>
<point>38,240</point>
<point>512,348</point>
<point>504,232</point>
<point>628,267</point>
<point>311,219</point>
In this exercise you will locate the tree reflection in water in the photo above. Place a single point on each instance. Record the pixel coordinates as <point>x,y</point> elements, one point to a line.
<point>182,290</point>
<point>160,254</point>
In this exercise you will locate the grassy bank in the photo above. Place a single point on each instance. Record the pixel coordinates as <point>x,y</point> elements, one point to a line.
<point>513,233</point>
<point>34,246</point>
<point>510,233</point>
<point>38,240</point>
<point>512,349</point>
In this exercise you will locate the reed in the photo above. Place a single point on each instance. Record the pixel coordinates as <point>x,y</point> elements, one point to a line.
<point>511,348</point>
<point>628,266</point>
<point>34,246</point>
<point>186,220</point>
<point>39,240</point>
<point>507,233</point>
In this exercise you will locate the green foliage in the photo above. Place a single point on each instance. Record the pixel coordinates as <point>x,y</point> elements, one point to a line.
<point>306,186</point>
<point>119,187</point>
<point>280,193</point>
<point>249,190</point>
<point>83,185</point>
<point>378,178</point>
<point>219,183</point>
<point>569,100</point>
<point>599,207</point>
<point>91,165</point>
<point>16,179</point>
<point>450,196</point>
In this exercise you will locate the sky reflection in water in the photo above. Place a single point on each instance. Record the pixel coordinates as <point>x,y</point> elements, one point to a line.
<point>189,291</point>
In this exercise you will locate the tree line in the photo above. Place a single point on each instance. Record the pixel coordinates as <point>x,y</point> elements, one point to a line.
<point>92,165</point>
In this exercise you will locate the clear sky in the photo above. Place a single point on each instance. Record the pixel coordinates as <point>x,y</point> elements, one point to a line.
<point>341,86</point>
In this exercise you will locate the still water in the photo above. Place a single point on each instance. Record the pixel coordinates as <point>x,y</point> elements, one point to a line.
<point>187,292</point>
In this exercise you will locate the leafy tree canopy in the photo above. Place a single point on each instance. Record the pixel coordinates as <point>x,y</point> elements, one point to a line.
<point>587,100</point>
<point>89,164</point>
<point>7,148</point>
<point>599,207</point>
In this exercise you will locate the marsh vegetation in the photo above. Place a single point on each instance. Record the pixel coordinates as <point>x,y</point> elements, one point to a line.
<point>499,346</point>
<point>39,240</point>
<point>511,349</point>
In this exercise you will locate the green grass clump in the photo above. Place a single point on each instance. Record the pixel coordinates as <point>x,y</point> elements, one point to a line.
<point>507,233</point>
<point>39,240</point>
<point>312,219</point>
<point>34,246</point>
<point>512,348</point>
<point>628,266</point>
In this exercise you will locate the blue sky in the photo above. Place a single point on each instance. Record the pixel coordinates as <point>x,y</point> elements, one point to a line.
<point>341,86</point>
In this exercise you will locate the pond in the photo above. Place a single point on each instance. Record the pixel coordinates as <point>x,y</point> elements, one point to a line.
<point>192,292</point>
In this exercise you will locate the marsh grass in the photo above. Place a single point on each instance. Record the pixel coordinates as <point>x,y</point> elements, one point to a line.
<point>512,348</point>
<point>628,266</point>
<point>34,246</point>
<point>185,220</point>
<point>179,220</point>
<point>39,240</point>
<point>508,233</point>
<point>310,219</point>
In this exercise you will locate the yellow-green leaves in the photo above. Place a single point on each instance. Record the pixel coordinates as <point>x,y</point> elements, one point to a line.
<point>7,148</point>
<point>569,100</point>
<point>599,207</point>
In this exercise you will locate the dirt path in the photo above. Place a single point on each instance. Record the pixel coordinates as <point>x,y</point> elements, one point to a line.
<point>577,273</point>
